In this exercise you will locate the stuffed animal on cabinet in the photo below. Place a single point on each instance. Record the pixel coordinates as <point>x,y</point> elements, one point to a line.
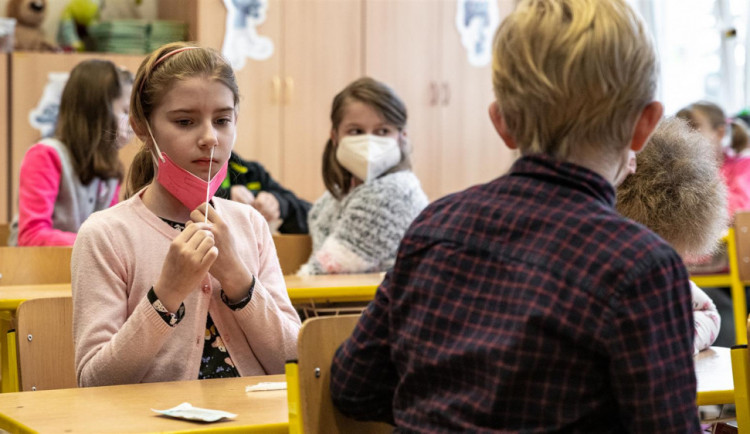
<point>76,18</point>
<point>29,15</point>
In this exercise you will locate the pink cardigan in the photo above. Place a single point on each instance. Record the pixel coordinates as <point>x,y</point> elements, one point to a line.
<point>736,173</point>
<point>120,338</point>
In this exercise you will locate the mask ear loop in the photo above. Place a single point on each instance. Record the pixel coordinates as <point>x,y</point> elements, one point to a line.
<point>158,151</point>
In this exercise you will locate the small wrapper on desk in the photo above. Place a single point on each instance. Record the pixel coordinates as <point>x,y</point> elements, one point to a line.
<point>271,385</point>
<point>188,412</point>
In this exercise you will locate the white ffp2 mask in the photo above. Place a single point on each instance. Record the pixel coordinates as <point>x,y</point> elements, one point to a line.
<point>367,156</point>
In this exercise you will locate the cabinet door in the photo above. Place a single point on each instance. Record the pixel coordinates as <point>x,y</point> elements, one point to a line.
<point>402,46</point>
<point>259,121</point>
<point>322,54</point>
<point>4,187</point>
<point>472,150</point>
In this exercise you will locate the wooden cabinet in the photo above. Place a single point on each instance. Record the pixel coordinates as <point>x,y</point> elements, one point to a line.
<point>4,134</point>
<point>284,111</point>
<point>414,46</point>
<point>29,74</point>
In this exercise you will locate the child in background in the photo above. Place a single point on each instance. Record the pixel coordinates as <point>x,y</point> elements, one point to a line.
<point>736,168</point>
<point>166,286</point>
<point>64,179</point>
<point>677,192</point>
<point>709,120</point>
<point>249,182</point>
<point>529,304</point>
<point>372,195</point>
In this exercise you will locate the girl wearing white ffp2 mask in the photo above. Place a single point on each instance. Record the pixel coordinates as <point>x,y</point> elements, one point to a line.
<point>373,195</point>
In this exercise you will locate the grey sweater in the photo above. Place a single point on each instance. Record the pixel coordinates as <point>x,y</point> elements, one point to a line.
<point>361,232</point>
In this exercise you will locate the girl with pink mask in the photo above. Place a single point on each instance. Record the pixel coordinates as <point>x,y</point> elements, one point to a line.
<point>173,283</point>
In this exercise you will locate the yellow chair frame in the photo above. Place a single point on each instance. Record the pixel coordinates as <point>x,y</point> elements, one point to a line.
<point>735,284</point>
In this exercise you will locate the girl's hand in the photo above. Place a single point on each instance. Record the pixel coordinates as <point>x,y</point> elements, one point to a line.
<point>189,258</point>
<point>239,193</point>
<point>228,269</point>
<point>267,204</point>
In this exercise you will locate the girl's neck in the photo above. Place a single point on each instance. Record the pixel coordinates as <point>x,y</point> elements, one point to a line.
<point>161,202</point>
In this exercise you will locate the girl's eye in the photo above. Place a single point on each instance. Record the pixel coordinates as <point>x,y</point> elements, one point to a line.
<point>383,131</point>
<point>354,132</point>
<point>183,122</point>
<point>224,121</point>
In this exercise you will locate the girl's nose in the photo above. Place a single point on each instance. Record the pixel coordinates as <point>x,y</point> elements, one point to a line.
<point>208,137</point>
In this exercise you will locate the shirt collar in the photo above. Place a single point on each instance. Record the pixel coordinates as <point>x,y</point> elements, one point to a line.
<point>573,175</point>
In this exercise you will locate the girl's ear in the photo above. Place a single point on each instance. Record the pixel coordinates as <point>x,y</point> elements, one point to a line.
<point>333,136</point>
<point>137,129</point>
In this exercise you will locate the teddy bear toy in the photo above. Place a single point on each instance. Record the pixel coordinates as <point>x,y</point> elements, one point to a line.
<point>29,15</point>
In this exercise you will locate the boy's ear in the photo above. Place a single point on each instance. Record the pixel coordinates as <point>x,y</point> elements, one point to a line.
<point>645,125</point>
<point>500,126</point>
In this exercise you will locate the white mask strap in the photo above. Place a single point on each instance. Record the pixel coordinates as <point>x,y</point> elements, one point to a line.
<point>208,182</point>
<point>158,151</point>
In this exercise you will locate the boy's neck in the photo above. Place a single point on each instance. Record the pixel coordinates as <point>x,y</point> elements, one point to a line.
<point>607,166</point>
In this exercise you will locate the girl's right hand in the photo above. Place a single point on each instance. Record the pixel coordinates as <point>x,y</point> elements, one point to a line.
<point>188,260</point>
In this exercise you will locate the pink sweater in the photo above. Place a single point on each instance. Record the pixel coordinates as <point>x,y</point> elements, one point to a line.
<point>736,173</point>
<point>120,338</point>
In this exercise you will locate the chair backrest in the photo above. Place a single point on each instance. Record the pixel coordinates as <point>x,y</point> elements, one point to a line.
<point>4,232</point>
<point>44,340</point>
<point>317,342</point>
<point>293,251</point>
<point>742,237</point>
<point>34,265</point>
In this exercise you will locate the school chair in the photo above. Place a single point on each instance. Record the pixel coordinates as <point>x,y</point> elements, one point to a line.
<point>737,241</point>
<point>293,250</point>
<point>4,232</point>
<point>34,265</point>
<point>310,406</point>
<point>45,355</point>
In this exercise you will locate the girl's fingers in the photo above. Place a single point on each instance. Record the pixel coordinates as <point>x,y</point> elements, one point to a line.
<point>210,257</point>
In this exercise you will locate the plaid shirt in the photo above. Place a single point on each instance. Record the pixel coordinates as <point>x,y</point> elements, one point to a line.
<point>526,305</point>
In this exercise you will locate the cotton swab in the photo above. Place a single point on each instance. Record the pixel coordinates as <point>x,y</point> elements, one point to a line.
<point>208,182</point>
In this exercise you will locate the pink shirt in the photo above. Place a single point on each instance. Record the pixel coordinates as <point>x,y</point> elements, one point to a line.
<point>736,173</point>
<point>120,338</point>
<point>40,175</point>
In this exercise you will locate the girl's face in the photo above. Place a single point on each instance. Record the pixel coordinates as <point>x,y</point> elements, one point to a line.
<point>121,109</point>
<point>195,115</point>
<point>360,118</point>
<point>714,135</point>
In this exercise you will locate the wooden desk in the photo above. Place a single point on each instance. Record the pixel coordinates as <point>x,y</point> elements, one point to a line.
<point>713,369</point>
<point>333,287</point>
<point>128,408</point>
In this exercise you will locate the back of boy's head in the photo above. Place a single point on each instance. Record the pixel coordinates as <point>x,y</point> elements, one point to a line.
<point>156,75</point>
<point>572,76</point>
<point>677,190</point>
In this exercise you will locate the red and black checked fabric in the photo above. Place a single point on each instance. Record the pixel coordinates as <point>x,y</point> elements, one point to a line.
<point>526,305</point>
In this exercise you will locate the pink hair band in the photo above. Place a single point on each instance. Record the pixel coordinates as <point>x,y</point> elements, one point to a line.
<point>161,59</point>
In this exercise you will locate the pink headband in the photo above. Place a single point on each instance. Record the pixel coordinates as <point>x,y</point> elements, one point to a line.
<point>158,61</point>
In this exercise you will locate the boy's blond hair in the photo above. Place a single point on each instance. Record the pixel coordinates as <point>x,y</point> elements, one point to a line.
<point>677,190</point>
<point>572,76</point>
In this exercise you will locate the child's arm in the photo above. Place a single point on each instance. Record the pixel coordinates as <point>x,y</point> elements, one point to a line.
<point>650,346</point>
<point>38,188</point>
<point>367,235</point>
<point>707,319</point>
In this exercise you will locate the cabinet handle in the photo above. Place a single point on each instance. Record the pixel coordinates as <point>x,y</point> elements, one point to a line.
<point>289,89</point>
<point>434,93</point>
<point>446,93</point>
<point>276,91</point>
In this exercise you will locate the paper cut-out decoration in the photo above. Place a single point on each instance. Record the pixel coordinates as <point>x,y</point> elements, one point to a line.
<point>241,40</point>
<point>44,116</point>
<point>477,21</point>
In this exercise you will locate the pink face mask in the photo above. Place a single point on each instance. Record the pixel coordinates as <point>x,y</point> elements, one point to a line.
<point>189,189</point>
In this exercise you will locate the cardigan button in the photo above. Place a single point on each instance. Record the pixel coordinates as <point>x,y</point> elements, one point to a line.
<point>205,289</point>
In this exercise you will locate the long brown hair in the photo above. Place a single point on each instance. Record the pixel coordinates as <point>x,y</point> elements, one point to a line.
<point>387,104</point>
<point>155,77</point>
<point>86,124</point>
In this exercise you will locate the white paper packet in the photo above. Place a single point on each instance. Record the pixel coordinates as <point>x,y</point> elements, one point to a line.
<point>269,385</point>
<point>188,412</point>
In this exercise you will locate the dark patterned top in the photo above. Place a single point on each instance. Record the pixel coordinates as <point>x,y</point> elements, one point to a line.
<point>216,361</point>
<point>526,304</point>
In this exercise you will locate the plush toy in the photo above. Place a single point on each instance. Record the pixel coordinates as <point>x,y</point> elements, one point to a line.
<point>76,18</point>
<point>29,15</point>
